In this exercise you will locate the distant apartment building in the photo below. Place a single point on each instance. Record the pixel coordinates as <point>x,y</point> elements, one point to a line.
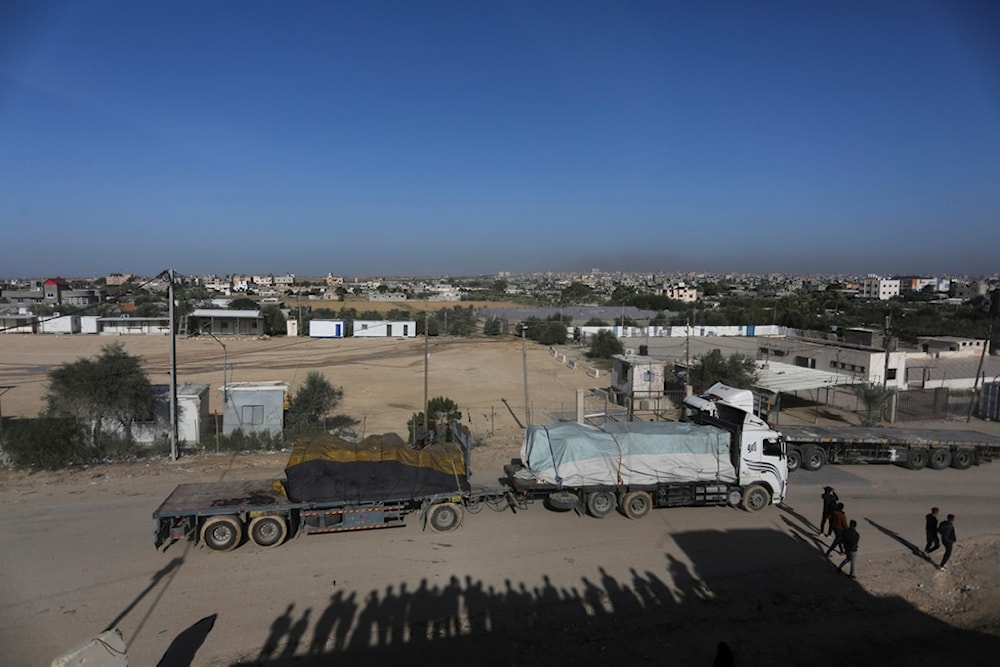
<point>117,279</point>
<point>55,292</point>
<point>681,292</point>
<point>332,280</point>
<point>263,280</point>
<point>286,280</point>
<point>970,290</point>
<point>882,289</point>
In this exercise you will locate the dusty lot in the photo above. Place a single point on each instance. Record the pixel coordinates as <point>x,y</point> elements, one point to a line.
<point>383,379</point>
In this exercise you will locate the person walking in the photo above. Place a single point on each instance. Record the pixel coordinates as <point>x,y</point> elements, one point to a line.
<point>850,539</point>
<point>932,531</point>
<point>948,538</point>
<point>829,504</point>
<point>838,522</point>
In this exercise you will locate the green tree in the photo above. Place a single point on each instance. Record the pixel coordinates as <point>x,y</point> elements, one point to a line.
<point>576,292</point>
<point>441,411</point>
<point>552,333</point>
<point>874,398</point>
<point>604,345</point>
<point>313,401</point>
<point>111,387</point>
<point>243,303</point>
<point>736,370</point>
<point>274,321</point>
<point>494,326</point>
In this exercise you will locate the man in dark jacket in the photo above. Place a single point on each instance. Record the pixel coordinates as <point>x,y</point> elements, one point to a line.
<point>932,531</point>
<point>948,538</point>
<point>850,538</point>
<point>829,504</point>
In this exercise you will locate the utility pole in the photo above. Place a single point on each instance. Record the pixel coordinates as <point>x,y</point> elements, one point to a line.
<point>173,369</point>
<point>524,359</point>
<point>886,335</point>
<point>687,359</point>
<point>427,356</point>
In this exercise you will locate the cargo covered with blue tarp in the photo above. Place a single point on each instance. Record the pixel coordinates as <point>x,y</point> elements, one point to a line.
<point>627,453</point>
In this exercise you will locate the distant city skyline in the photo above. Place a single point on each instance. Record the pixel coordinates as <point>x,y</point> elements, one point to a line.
<point>451,138</point>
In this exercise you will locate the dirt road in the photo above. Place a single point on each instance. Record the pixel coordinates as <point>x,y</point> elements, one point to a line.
<point>76,556</point>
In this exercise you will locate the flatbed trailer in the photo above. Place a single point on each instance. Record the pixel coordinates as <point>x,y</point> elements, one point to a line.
<point>812,447</point>
<point>220,514</point>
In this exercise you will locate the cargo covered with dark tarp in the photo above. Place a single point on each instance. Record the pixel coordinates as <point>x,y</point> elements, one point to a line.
<point>381,467</point>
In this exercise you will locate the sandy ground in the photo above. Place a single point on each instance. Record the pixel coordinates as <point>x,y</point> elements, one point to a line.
<point>383,379</point>
<point>899,610</point>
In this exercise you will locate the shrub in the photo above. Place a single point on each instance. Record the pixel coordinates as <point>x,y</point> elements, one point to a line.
<point>47,442</point>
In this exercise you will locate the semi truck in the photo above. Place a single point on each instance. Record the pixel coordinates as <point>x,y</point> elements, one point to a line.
<point>732,459</point>
<point>812,447</point>
<point>330,486</point>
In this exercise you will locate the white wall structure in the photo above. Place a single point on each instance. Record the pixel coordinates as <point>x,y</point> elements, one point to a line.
<point>326,328</point>
<point>66,324</point>
<point>254,407</point>
<point>384,329</point>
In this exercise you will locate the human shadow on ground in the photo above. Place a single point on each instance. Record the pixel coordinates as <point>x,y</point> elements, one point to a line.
<point>788,607</point>
<point>914,549</point>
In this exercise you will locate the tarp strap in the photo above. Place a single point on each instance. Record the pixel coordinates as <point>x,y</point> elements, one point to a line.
<point>621,458</point>
<point>555,466</point>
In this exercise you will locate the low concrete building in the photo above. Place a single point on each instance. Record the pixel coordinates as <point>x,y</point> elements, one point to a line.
<point>19,324</point>
<point>384,329</point>
<point>192,415</point>
<point>133,326</point>
<point>326,328</point>
<point>254,407</point>
<point>226,322</point>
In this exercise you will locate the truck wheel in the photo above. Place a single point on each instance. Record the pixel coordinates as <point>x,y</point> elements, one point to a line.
<point>636,504</point>
<point>735,498</point>
<point>916,459</point>
<point>222,533</point>
<point>963,459</point>
<point>600,503</point>
<point>940,458</point>
<point>813,458</point>
<point>268,531</point>
<point>562,501</point>
<point>755,498</point>
<point>445,517</point>
<point>794,459</point>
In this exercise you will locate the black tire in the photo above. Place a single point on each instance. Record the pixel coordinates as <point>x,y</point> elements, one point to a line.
<point>562,501</point>
<point>813,458</point>
<point>940,458</point>
<point>600,503</point>
<point>636,504</point>
<point>222,533</point>
<point>268,531</point>
<point>445,517</point>
<point>916,458</point>
<point>963,459</point>
<point>794,459</point>
<point>756,498</point>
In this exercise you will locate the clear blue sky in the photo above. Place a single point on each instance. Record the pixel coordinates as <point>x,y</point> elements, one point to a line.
<point>460,138</point>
